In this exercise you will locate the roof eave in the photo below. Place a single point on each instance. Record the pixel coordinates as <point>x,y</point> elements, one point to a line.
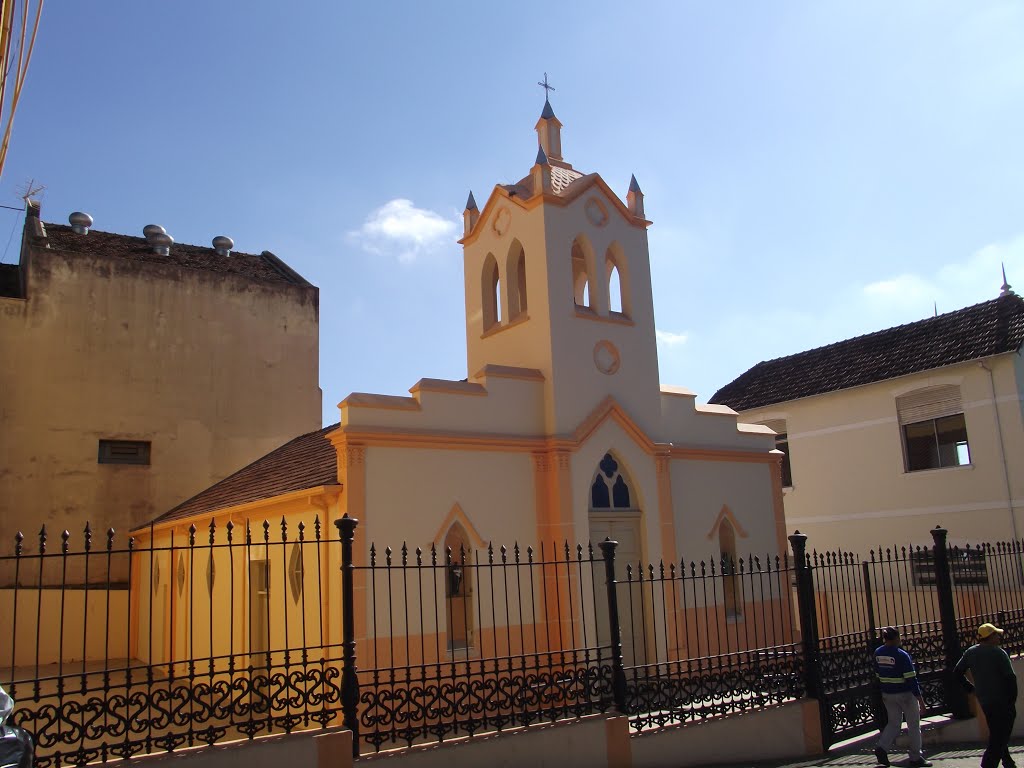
<point>774,403</point>
<point>328,492</point>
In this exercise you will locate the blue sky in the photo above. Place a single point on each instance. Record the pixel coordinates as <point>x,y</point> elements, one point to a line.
<point>814,170</point>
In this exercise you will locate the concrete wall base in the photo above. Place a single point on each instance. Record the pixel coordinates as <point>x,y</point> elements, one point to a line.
<point>599,741</point>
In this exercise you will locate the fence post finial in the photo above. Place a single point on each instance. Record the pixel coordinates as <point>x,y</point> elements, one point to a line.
<point>618,670</point>
<point>955,695</point>
<point>349,680</point>
<point>808,612</point>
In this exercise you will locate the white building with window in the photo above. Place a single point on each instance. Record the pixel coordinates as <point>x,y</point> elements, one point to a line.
<point>890,434</point>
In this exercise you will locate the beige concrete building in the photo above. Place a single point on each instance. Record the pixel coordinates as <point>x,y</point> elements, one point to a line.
<point>890,434</point>
<point>561,432</point>
<point>133,376</point>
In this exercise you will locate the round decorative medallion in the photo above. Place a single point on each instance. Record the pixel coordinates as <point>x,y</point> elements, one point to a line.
<point>596,212</point>
<point>501,221</point>
<point>606,357</point>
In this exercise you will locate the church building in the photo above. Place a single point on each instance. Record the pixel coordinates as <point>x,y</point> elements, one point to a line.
<point>561,432</point>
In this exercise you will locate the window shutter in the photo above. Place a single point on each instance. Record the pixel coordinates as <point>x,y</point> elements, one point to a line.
<point>929,403</point>
<point>776,425</point>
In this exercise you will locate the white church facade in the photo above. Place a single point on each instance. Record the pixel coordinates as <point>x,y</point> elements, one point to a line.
<point>561,432</point>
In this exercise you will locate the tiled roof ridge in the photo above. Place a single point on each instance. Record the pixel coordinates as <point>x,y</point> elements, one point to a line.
<point>890,329</point>
<point>981,330</point>
<point>170,514</point>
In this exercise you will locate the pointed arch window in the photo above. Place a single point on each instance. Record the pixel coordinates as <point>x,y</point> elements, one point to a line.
<point>516,272</point>
<point>458,588</point>
<point>610,489</point>
<point>582,263</point>
<point>730,581</point>
<point>490,292</point>
<point>617,280</point>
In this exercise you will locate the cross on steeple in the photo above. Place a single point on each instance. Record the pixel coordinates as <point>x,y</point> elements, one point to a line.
<point>547,88</point>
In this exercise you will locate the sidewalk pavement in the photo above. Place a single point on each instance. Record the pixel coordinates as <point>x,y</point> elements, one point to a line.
<point>859,755</point>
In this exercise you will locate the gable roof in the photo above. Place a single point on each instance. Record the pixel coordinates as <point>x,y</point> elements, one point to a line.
<point>990,328</point>
<point>266,267</point>
<point>307,461</point>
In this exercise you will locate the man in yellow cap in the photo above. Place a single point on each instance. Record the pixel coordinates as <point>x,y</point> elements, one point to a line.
<point>996,687</point>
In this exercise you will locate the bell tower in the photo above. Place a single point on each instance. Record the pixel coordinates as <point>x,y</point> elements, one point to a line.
<point>557,278</point>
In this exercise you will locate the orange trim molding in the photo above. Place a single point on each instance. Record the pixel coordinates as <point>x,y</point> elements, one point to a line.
<point>572,192</point>
<point>726,514</point>
<point>509,372</point>
<point>483,441</point>
<point>457,514</point>
<point>499,327</point>
<point>446,387</point>
<point>368,400</point>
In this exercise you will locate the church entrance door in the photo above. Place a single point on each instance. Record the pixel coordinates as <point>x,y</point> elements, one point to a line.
<point>623,527</point>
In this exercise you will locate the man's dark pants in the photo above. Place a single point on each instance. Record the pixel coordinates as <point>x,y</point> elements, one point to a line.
<point>1000,725</point>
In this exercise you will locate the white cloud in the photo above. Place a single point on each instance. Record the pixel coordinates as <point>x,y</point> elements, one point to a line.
<point>670,339</point>
<point>953,286</point>
<point>401,229</point>
<point>901,288</point>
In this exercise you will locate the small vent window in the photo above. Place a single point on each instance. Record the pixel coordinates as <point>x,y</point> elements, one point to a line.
<point>124,452</point>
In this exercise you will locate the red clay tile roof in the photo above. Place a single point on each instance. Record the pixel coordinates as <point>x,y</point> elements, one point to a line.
<point>308,461</point>
<point>265,268</point>
<point>991,328</point>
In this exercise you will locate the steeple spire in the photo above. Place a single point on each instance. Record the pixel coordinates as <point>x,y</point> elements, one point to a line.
<point>541,171</point>
<point>1006,288</point>
<point>549,129</point>
<point>635,198</point>
<point>470,215</point>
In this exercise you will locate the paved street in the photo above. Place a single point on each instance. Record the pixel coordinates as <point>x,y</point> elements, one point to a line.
<point>859,754</point>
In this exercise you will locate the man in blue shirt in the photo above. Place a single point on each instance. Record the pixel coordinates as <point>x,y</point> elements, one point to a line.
<point>901,694</point>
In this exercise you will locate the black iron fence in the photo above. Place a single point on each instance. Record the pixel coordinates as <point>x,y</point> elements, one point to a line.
<point>707,639</point>
<point>239,630</point>
<point>190,650</point>
<point>936,596</point>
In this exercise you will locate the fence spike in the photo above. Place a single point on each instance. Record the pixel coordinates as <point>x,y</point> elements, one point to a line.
<point>266,531</point>
<point>64,541</point>
<point>373,554</point>
<point>316,526</point>
<point>302,531</point>
<point>88,536</point>
<point>284,529</point>
<point>230,527</point>
<point>18,538</point>
<point>110,539</point>
<point>405,554</point>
